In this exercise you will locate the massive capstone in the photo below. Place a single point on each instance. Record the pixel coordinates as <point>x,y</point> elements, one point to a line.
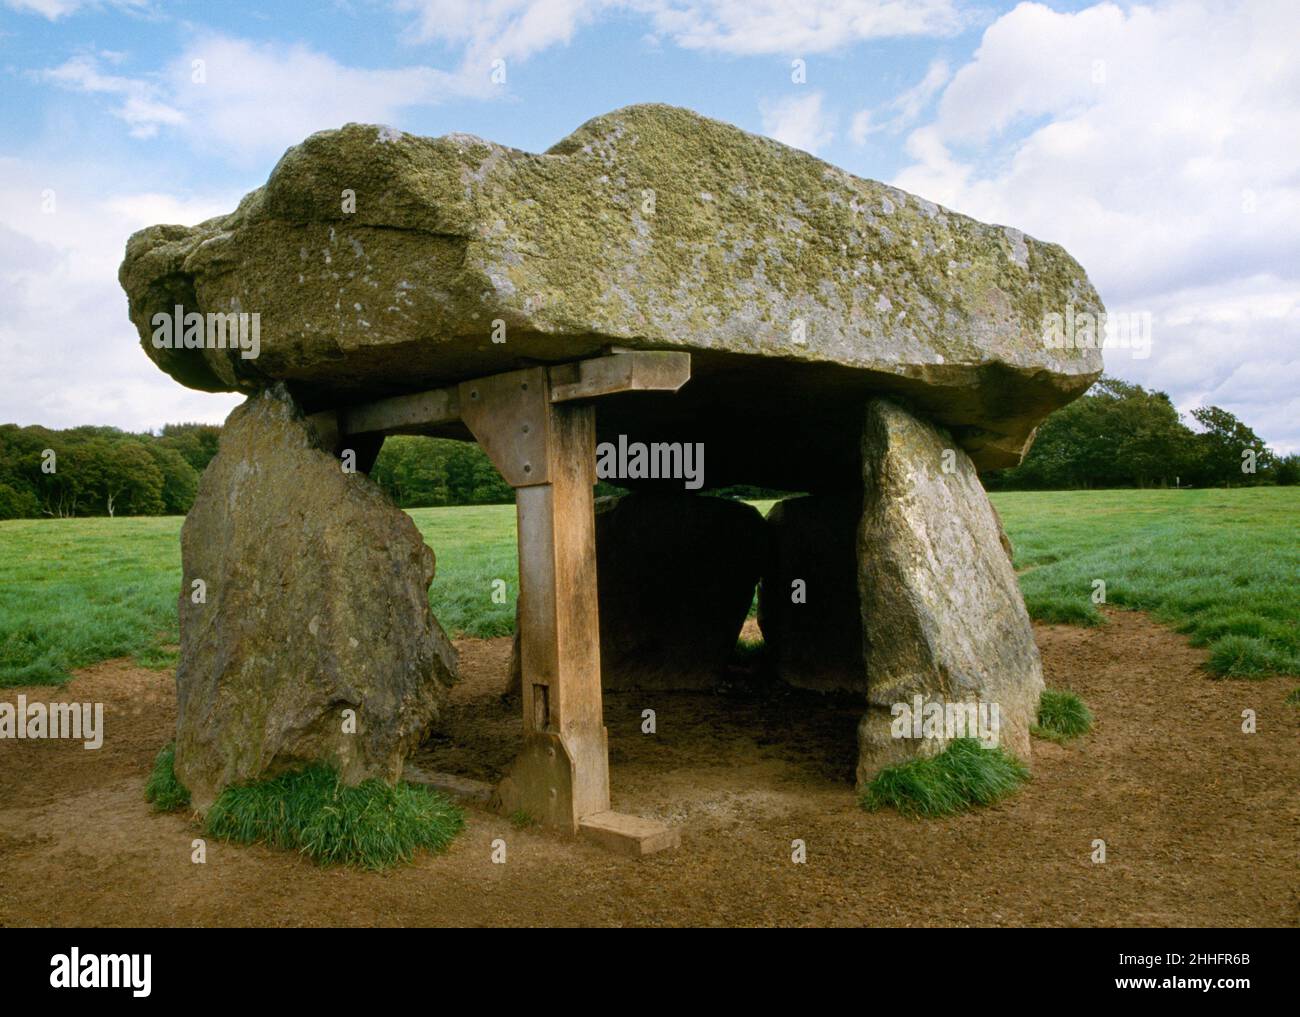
<point>381,262</point>
<point>306,634</point>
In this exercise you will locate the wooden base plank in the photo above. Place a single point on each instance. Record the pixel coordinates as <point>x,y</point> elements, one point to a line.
<point>628,835</point>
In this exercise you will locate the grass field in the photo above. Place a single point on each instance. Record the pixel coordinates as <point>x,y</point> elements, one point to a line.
<point>1222,566</point>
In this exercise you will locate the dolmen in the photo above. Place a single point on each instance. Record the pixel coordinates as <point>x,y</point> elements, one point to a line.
<point>856,345</point>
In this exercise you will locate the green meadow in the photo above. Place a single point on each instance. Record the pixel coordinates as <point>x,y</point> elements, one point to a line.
<point>1221,566</point>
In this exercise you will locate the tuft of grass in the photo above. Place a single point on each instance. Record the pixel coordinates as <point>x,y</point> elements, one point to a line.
<point>962,776</point>
<point>1061,716</point>
<point>1238,656</point>
<point>163,790</point>
<point>749,650</point>
<point>521,819</point>
<point>1055,609</point>
<point>370,826</point>
<point>1293,699</point>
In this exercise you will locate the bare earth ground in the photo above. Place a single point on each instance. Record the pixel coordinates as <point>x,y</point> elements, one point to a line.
<point>1201,821</point>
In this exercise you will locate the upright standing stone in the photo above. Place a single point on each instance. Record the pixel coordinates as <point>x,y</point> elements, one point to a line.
<point>942,613</point>
<point>309,637</point>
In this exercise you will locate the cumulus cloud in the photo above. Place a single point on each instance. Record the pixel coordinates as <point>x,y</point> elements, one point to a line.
<point>65,339</point>
<point>1157,145</point>
<point>252,100</point>
<point>798,121</point>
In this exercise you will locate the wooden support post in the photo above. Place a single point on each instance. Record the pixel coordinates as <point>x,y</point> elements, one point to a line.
<point>538,427</point>
<point>547,451</point>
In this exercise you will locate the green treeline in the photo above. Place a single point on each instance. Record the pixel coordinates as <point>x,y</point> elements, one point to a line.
<point>101,471</point>
<point>1121,435</point>
<point>419,472</point>
<point>1118,435</point>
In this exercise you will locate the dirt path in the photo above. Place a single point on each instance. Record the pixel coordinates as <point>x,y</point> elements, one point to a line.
<point>1201,822</point>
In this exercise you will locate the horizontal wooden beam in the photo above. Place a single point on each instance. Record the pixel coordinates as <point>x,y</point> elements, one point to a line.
<point>639,371</point>
<point>403,413</point>
<point>633,371</point>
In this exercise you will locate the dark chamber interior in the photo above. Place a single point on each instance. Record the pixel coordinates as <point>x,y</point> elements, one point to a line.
<point>787,424</point>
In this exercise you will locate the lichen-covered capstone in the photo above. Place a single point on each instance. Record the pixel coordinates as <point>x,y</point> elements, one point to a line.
<point>943,617</point>
<point>380,262</point>
<point>306,634</point>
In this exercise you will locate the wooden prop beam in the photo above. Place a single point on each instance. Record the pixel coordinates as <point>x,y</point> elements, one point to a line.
<point>633,371</point>
<point>665,371</point>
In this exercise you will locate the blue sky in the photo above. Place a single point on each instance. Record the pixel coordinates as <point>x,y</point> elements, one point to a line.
<point>1159,143</point>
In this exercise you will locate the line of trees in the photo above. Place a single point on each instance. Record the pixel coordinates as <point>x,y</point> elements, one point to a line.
<point>101,471</point>
<point>1118,435</point>
<point>104,471</point>
<point>419,472</point>
<point>1121,435</point>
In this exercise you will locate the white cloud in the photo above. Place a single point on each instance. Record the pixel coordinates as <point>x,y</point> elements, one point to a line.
<point>70,354</point>
<point>260,98</point>
<point>799,121</point>
<point>751,27</point>
<point>1158,146</point>
<point>250,100</point>
<point>139,107</point>
<point>1234,345</point>
<point>905,108</point>
<point>55,9</point>
<point>504,29</point>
